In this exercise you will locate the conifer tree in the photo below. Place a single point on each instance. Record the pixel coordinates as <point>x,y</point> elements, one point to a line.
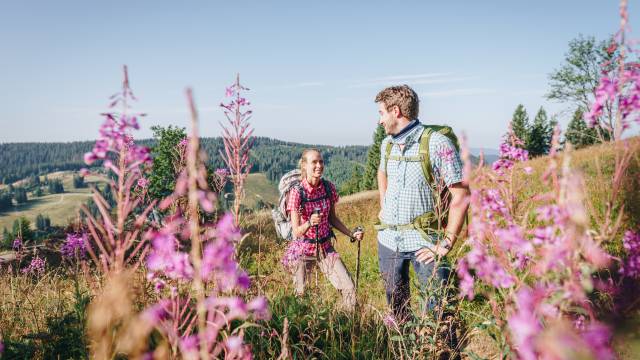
<point>578,133</point>
<point>538,140</point>
<point>369,180</point>
<point>520,123</point>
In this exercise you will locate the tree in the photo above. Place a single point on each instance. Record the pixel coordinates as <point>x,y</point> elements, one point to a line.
<point>34,180</point>
<point>6,202</point>
<point>353,184</point>
<point>20,195</point>
<point>55,186</point>
<point>370,179</point>
<point>78,182</point>
<point>574,83</point>
<point>22,228</point>
<point>165,154</point>
<point>520,123</point>
<point>37,192</point>
<point>578,133</point>
<point>7,239</point>
<point>42,222</point>
<point>538,140</point>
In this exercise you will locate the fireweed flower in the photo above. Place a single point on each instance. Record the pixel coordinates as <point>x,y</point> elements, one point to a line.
<point>631,265</point>
<point>74,245</point>
<point>511,151</point>
<point>17,244</point>
<point>524,324</point>
<point>143,183</point>
<point>36,267</point>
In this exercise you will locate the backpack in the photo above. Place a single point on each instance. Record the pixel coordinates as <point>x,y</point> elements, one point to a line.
<point>437,219</point>
<point>423,150</point>
<point>282,220</point>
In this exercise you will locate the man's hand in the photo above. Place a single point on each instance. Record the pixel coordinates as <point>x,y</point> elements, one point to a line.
<point>426,255</point>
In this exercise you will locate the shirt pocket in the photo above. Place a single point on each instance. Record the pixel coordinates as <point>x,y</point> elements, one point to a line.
<point>413,176</point>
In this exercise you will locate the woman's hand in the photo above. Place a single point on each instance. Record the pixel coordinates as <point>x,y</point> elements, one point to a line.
<point>315,219</point>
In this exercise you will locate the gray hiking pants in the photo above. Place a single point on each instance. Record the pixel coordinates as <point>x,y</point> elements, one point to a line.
<point>333,268</point>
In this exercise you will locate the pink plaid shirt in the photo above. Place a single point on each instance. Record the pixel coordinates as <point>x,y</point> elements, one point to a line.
<point>324,228</point>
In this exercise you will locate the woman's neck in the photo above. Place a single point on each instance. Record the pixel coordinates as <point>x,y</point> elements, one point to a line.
<point>313,181</point>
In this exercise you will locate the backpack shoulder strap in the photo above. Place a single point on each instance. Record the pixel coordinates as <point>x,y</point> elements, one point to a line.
<point>303,197</point>
<point>327,191</point>
<point>423,150</point>
<point>387,153</point>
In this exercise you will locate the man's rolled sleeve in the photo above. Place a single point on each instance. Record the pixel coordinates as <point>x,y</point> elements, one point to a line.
<point>445,160</point>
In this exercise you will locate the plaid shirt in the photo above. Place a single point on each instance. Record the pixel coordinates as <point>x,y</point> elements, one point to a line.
<point>408,195</point>
<point>310,192</point>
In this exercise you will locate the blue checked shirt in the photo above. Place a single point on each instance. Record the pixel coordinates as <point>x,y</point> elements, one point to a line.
<point>408,194</point>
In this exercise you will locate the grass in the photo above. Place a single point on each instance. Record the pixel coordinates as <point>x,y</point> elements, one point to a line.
<point>259,187</point>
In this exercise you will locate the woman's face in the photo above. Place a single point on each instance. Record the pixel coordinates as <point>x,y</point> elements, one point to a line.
<point>314,165</point>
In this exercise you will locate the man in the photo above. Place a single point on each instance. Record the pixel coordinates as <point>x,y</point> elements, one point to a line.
<point>406,197</point>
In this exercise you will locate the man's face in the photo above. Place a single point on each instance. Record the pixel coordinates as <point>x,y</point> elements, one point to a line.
<point>388,119</point>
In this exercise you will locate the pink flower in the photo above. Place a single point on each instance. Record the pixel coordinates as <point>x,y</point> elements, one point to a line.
<point>524,325</point>
<point>36,267</point>
<point>631,265</point>
<point>75,245</point>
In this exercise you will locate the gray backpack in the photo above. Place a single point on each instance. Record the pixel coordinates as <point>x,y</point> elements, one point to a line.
<point>282,220</point>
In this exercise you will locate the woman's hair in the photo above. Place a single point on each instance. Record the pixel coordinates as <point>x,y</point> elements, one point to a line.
<point>303,161</point>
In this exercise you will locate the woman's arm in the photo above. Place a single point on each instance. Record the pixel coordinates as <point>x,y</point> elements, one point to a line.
<point>300,229</point>
<point>337,223</point>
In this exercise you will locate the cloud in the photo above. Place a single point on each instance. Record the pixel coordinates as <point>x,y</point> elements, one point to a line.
<point>457,92</point>
<point>303,85</point>
<point>415,79</point>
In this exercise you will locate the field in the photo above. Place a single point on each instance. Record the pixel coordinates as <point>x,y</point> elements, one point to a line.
<point>61,208</point>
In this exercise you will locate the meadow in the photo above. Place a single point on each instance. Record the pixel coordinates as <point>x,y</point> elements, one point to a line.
<point>45,317</point>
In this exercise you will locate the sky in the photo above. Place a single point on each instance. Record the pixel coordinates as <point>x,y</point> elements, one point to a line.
<point>313,68</point>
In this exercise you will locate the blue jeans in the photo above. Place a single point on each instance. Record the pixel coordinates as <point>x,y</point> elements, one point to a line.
<point>394,267</point>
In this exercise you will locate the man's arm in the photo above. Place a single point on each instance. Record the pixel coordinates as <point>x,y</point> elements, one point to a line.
<point>382,189</point>
<point>455,221</point>
<point>457,210</point>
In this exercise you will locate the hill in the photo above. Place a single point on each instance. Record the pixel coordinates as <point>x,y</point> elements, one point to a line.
<point>61,208</point>
<point>269,156</point>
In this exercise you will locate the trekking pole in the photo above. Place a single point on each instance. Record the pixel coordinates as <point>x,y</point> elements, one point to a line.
<point>316,211</point>
<point>357,229</point>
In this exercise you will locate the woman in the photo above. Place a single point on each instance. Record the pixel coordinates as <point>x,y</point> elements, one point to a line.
<point>312,211</point>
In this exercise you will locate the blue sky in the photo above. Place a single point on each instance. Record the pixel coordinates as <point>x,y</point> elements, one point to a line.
<point>314,68</point>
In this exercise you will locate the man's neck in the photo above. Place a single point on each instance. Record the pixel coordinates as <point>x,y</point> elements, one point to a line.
<point>405,126</point>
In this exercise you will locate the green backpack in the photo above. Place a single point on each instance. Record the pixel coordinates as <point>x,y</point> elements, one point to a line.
<point>423,150</point>
<point>428,223</point>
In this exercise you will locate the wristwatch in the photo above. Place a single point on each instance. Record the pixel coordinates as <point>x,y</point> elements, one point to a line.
<point>446,243</point>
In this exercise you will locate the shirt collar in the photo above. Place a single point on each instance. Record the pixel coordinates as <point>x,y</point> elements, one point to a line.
<point>307,187</point>
<point>406,134</point>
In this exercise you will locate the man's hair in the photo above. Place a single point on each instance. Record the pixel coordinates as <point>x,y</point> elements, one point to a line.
<point>403,97</point>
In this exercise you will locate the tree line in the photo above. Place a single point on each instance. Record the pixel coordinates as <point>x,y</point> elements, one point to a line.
<point>270,156</point>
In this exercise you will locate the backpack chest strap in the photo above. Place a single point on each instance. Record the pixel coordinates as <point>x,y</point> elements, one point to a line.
<point>416,158</point>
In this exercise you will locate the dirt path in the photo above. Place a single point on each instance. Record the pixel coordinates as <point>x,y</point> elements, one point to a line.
<point>7,257</point>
